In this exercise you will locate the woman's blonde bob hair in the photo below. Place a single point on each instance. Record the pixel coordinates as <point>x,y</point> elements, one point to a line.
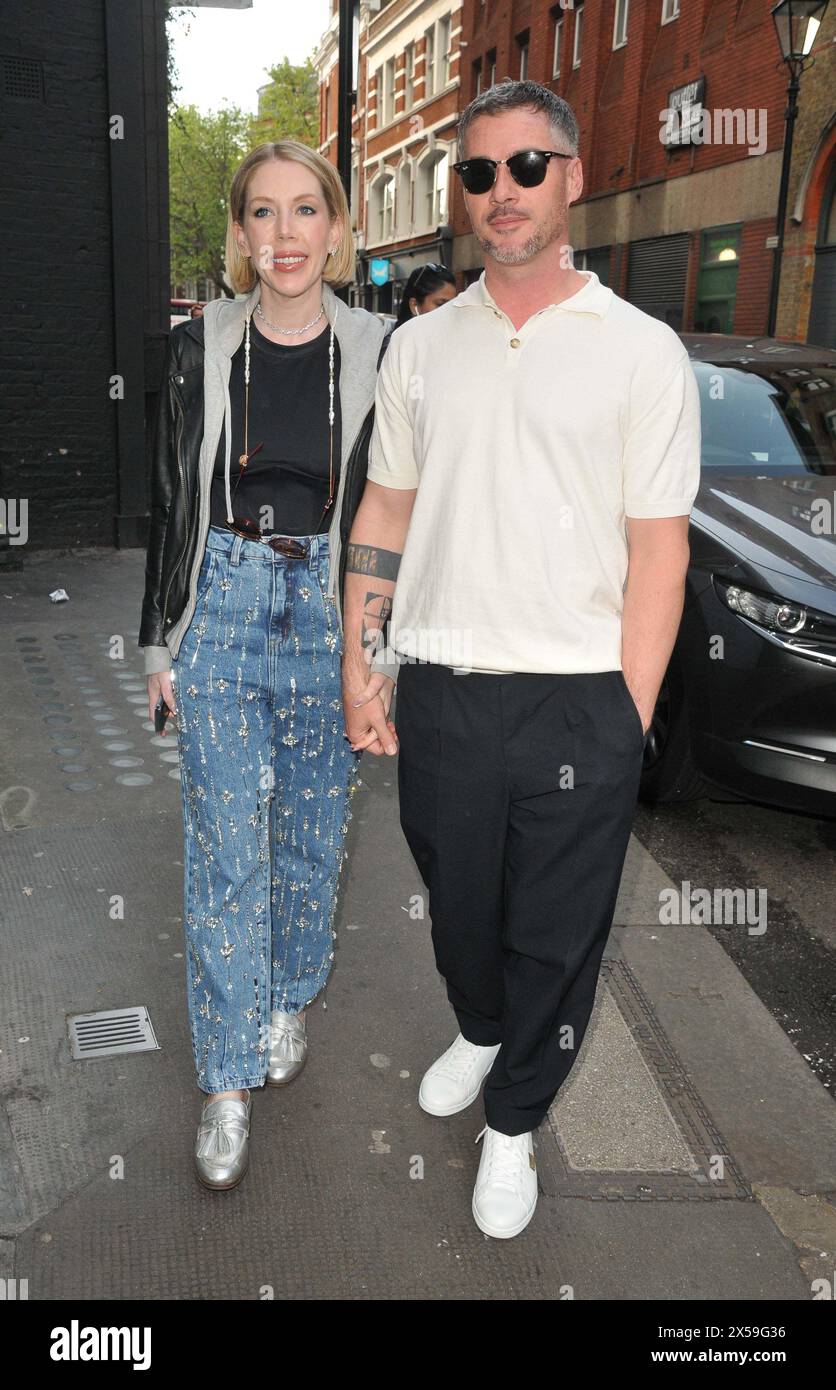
<point>339,269</point>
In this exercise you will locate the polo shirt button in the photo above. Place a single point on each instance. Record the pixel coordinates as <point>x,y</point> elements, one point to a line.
<point>515,342</point>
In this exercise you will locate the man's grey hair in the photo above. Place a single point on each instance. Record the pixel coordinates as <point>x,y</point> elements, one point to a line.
<point>507,96</point>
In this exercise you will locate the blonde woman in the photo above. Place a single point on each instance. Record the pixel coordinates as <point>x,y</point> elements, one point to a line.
<point>264,420</point>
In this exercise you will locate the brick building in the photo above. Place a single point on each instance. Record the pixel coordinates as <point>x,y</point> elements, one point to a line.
<point>403,137</point>
<point>680,105</point>
<point>807,303</point>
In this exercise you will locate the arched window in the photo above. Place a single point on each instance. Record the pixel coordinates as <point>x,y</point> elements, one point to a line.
<point>380,222</point>
<point>431,200</point>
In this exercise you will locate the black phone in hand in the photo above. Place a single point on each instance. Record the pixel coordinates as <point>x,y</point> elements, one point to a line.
<point>161,713</point>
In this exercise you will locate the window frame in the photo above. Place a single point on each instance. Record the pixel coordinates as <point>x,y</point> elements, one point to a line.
<point>387,205</point>
<point>388,110</point>
<point>524,50</point>
<point>577,38</point>
<point>409,76</point>
<point>622,11</point>
<point>557,47</point>
<point>427,190</point>
<point>429,62</point>
<point>443,26</point>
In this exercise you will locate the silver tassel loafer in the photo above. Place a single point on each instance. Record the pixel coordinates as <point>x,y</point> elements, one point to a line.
<point>288,1047</point>
<point>222,1147</point>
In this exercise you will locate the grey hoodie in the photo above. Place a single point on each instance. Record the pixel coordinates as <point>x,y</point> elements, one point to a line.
<point>359,335</point>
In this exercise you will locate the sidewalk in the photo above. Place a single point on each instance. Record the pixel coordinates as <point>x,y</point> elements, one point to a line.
<point>352,1192</point>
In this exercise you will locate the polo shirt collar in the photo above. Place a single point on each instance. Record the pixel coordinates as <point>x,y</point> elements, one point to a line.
<point>591,298</point>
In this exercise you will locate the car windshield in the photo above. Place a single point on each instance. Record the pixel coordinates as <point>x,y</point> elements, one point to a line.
<point>766,421</point>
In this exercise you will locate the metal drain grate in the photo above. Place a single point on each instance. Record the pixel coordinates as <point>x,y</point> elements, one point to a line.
<point>110,1031</point>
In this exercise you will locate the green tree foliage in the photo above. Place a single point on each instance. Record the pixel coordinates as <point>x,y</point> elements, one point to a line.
<point>203,153</point>
<point>289,105</point>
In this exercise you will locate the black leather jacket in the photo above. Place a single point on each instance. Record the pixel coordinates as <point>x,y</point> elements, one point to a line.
<point>175,483</point>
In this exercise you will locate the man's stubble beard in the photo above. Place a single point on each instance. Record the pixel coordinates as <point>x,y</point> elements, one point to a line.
<point>546,233</point>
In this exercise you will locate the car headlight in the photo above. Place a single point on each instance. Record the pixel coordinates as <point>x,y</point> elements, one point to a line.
<point>769,612</point>
<point>801,628</point>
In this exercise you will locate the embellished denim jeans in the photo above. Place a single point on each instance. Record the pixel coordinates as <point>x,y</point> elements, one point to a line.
<point>266,776</point>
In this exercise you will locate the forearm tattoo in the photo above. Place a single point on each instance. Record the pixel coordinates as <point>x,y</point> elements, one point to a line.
<point>377,606</point>
<point>377,610</point>
<point>370,559</point>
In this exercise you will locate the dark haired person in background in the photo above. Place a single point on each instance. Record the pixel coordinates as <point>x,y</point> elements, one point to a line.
<point>427,288</point>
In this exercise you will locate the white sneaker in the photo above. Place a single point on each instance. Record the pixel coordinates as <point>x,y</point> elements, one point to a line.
<point>505,1194</point>
<point>455,1080</point>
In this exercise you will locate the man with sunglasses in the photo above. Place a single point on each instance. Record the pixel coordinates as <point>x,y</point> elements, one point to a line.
<point>534,460</point>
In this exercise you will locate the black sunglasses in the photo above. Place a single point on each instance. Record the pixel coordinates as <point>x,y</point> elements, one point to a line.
<point>527,168</point>
<point>248,528</point>
<point>430,265</point>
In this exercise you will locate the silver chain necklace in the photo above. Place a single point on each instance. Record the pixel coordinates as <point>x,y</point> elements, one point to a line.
<point>289,331</point>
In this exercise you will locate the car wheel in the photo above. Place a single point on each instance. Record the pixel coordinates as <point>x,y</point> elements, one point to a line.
<point>669,772</point>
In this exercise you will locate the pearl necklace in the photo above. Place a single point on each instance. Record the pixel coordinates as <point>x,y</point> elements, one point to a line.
<point>275,327</point>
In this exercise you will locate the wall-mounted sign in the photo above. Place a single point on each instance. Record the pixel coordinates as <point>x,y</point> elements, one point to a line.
<point>379,271</point>
<point>683,114</point>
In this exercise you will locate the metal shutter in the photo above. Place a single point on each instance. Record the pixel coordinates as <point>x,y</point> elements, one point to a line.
<point>821,330</point>
<point>656,277</point>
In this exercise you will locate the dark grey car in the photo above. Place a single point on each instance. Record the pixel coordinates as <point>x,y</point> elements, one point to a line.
<point>748,704</point>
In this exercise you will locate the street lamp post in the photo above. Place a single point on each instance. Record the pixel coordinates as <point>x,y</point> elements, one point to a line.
<point>347,76</point>
<point>797,23</point>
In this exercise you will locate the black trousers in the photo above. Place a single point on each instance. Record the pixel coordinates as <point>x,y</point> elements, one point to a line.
<point>517,795</point>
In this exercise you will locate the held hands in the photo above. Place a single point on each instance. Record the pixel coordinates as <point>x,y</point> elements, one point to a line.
<point>366,702</point>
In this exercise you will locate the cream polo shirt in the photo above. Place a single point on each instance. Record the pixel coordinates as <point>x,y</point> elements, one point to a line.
<point>528,448</point>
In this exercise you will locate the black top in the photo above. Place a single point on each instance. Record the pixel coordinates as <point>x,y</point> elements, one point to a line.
<point>289,417</point>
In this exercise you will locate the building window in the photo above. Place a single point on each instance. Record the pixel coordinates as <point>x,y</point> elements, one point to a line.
<point>492,68</point>
<point>355,192</point>
<point>619,35</point>
<point>378,99</point>
<point>717,280</point>
<point>597,259</point>
<point>434,190</point>
<point>558,45</point>
<point>381,208</point>
<point>429,62</point>
<point>387,220</point>
<point>522,44</point>
<point>444,51</point>
<point>388,91</point>
<point>576,48</point>
<point>670,10</point>
<point>410,76</point>
<point>477,77</point>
